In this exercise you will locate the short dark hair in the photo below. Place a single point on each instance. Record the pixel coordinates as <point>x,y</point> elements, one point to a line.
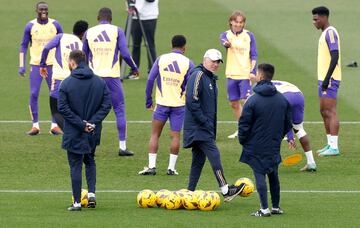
<point>178,41</point>
<point>78,56</point>
<point>267,69</point>
<point>39,3</point>
<point>321,10</point>
<point>105,13</point>
<point>80,27</point>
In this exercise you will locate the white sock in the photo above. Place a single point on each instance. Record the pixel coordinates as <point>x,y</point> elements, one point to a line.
<point>36,125</point>
<point>91,194</point>
<point>334,141</point>
<point>77,204</point>
<point>265,211</point>
<point>122,145</point>
<point>172,161</point>
<point>310,157</point>
<point>152,160</point>
<point>328,136</point>
<point>53,125</point>
<point>224,189</point>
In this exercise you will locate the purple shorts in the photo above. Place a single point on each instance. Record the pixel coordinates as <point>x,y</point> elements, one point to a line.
<point>296,101</point>
<point>175,114</point>
<point>238,89</point>
<point>331,91</point>
<point>54,89</point>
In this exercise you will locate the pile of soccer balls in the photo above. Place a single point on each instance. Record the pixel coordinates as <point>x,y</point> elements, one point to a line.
<point>203,200</point>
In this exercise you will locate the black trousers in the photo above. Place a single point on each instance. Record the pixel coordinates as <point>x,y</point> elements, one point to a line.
<point>75,162</point>
<point>149,27</point>
<point>55,112</point>
<point>201,150</point>
<point>262,188</point>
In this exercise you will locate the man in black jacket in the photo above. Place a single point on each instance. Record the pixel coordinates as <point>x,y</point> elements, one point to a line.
<point>200,123</point>
<point>265,120</point>
<point>84,102</point>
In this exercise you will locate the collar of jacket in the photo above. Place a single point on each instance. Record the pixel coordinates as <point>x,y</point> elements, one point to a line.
<point>82,71</point>
<point>208,73</point>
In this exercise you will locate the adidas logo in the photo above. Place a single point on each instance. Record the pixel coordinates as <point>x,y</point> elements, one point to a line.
<point>174,67</point>
<point>74,46</point>
<point>103,37</point>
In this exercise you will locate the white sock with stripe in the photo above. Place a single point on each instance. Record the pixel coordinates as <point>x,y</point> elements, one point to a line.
<point>172,161</point>
<point>152,160</point>
<point>334,141</point>
<point>310,157</point>
<point>36,125</point>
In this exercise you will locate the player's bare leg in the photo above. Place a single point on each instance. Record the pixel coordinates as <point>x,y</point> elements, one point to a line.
<point>237,109</point>
<point>305,144</point>
<point>156,129</point>
<point>325,116</point>
<point>329,114</point>
<point>174,151</point>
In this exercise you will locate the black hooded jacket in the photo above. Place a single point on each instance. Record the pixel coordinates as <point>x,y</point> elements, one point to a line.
<point>83,96</point>
<point>265,119</point>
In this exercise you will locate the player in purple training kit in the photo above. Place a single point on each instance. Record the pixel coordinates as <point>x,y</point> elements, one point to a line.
<point>38,33</point>
<point>103,45</point>
<point>296,99</point>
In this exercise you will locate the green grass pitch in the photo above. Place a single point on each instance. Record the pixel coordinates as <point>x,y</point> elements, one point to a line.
<point>285,37</point>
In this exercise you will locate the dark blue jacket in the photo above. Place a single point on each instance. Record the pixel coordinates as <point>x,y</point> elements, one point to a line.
<point>200,107</point>
<point>83,96</point>
<point>264,121</point>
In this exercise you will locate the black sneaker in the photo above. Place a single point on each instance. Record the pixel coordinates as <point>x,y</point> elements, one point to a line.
<point>352,64</point>
<point>259,213</point>
<point>125,152</point>
<point>73,208</point>
<point>171,172</point>
<point>277,211</point>
<point>233,192</point>
<point>148,171</point>
<point>92,202</point>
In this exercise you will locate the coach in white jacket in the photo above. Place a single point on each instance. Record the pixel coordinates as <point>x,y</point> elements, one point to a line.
<point>148,13</point>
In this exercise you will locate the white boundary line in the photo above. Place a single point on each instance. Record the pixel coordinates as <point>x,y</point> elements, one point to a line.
<point>135,191</point>
<point>149,121</point>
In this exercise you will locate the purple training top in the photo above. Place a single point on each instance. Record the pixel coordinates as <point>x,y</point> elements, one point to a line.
<point>333,46</point>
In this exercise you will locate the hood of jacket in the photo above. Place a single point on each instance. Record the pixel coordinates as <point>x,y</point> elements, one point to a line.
<point>82,71</point>
<point>265,88</point>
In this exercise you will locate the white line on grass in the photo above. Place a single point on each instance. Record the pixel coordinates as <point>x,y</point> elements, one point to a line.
<point>148,121</point>
<point>135,191</point>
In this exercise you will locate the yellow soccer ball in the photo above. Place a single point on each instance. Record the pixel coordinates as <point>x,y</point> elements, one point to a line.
<point>182,193</point>
<point>146,198</point>
<point>206,202</point>
<point>84,198</point>
<point>216,198</point>
<point>190,201</point>
<point>161,196</point>
<point>198,193</point>
<point>172,201</point>
<point>249,186</point>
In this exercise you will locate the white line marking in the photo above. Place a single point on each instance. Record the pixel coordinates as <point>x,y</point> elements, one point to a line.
<point>135,191</point>
<point>149,121</point>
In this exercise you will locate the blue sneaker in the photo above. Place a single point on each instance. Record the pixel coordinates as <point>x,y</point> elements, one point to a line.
<point>330,152</point>
<point>323,149</point>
